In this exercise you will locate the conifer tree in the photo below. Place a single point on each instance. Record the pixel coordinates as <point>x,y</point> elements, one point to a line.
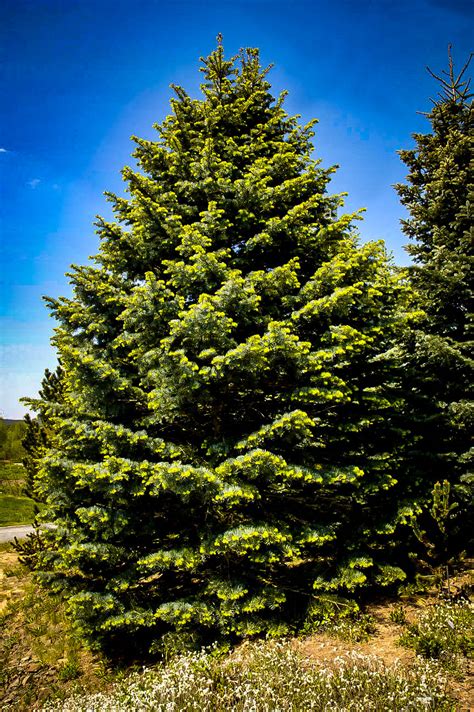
<point>439,196</point>
<point>227,444</point>
<point>39,430</point>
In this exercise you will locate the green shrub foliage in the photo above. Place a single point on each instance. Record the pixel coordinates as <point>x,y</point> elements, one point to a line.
<point>226,446</point>
<point>439,196</point>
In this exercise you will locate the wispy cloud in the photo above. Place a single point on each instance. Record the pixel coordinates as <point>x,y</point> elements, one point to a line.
<point>34,183</point>
<point>4,150</point>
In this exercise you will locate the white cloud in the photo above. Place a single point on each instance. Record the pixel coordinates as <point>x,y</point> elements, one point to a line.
<point>3,150</point>
<point>34,183</point>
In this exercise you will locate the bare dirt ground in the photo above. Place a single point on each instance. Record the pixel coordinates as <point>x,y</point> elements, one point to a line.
<point>10,585</point>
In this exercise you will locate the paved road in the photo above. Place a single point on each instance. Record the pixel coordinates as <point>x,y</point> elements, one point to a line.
<point>8,533</point>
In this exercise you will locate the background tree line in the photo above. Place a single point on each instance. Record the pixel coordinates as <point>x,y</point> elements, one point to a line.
<point>12,433</point>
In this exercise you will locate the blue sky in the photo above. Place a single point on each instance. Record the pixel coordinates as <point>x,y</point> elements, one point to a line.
<point>79,77</point>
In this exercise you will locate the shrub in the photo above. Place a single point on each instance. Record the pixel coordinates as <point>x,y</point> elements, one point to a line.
<point>443,631</point>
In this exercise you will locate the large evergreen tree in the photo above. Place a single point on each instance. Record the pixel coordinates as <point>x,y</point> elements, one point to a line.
<point>439,196</point>
<point>227,444</point>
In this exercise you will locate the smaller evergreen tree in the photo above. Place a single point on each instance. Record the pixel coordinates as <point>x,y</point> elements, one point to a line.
<point>38,438</point>
<point>439,196</point>
<point>38,432</point>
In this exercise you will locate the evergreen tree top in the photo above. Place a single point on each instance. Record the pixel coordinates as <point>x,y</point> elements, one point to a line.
<point>439,195</point>
<point>455,89</point>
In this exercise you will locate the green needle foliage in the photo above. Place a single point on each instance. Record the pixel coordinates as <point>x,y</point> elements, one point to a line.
<point>226,448</point>
<point>440,199</point>
<point>40,430</point>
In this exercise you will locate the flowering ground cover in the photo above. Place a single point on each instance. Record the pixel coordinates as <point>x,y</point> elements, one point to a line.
<point>415,655</point>
<point>265,677</point>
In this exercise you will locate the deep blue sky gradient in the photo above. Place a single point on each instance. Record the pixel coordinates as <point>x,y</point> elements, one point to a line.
<point>79,78</point>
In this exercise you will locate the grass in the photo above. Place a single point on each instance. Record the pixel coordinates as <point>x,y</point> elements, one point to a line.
<point>15,510</point>
<point>11,470</point>
<point>444,632</point>
<point>340,618</point>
